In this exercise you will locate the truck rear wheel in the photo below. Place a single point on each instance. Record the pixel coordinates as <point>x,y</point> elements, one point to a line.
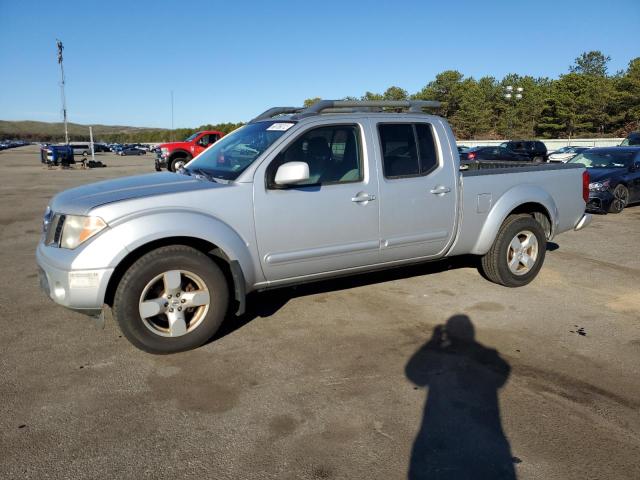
<point>172,299</point>
<point>517,253</point>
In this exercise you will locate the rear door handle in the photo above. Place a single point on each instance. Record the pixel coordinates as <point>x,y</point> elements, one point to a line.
<point>440,190</point>
<point>362,197</point>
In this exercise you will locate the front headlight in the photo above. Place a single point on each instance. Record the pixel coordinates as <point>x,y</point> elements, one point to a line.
<point>78,229</point>
<point>599,186</point>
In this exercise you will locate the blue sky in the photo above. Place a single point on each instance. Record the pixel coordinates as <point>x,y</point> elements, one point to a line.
<point>227,61</point>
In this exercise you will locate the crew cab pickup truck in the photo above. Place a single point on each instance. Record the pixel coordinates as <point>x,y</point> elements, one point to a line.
<point>175,155</point>
<point>295,195</point>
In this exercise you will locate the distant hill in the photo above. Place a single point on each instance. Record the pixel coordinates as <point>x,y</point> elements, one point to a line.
<point>46,131</point>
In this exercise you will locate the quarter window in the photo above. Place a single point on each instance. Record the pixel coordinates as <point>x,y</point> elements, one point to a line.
<point>333,154</point>
<point>408,150</point>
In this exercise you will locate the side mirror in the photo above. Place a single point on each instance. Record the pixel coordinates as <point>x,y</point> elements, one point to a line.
<point>292,172</point>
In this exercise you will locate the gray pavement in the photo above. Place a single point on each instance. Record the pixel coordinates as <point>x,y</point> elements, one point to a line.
<point>352,378</point>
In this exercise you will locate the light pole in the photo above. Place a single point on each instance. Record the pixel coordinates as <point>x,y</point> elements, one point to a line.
<point>64,99</point>
<point>512,97</point>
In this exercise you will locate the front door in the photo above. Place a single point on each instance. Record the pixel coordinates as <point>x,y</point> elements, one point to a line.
<point>417,190</point>
<point>329,222</point>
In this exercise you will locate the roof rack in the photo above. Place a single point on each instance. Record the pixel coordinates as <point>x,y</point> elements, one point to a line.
<point>275,111</point>
<point>414,106</point>
<point>347,106</point>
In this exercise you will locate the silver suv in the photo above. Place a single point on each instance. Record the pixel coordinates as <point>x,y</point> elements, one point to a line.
<point>293,196</point>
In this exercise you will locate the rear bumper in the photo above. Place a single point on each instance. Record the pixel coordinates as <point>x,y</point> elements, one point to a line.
<point>584,221</point>
<point>79,290</point>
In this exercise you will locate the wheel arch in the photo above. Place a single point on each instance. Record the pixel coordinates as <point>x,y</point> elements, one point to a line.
<point>526,199</point>
<point>230,268</point>
<point>179,153</point>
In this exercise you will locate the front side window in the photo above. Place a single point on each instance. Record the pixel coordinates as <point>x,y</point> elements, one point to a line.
<point>332,152</point>
<point>408,150</point>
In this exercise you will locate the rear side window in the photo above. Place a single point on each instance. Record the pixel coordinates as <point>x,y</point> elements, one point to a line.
<point>408,150</point>
<point>426,148</point>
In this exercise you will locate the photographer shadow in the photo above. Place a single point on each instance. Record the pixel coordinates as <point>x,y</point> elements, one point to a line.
<point>461,435</point>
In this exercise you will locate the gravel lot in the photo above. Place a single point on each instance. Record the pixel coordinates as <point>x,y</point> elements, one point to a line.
<point>342,379</point>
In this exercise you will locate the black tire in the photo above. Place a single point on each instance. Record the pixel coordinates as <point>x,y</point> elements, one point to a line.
<point>495,263</point>
<point>149,266</point>
<point>620,199</point>
<point>174,163</point>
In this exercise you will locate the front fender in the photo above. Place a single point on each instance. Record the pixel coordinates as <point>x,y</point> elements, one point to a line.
<point>132,232</point>
<point>507,203</point>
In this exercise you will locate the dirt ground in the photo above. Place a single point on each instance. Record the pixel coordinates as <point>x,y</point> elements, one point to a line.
<point>424,371</point>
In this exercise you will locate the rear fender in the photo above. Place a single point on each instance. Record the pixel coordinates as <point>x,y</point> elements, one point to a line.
<point>507,203</point>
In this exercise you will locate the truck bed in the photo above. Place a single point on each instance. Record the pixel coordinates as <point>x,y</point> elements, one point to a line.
<point>490,191</point>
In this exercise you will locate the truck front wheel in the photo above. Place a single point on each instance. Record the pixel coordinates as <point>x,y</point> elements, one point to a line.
<point>517,253</point>
<point>177,163</point>
<point>171,299</point>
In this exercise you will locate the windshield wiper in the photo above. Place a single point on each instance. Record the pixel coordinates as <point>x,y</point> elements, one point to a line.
<point>205,174</point>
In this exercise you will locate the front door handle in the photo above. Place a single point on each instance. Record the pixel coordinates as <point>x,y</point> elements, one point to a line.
<point>440,190</point>
<point>362,197</point>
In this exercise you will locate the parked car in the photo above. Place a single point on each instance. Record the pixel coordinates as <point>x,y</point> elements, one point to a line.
<point>614,174</point>
<point>175,155</point>
<point>131,151</point>
<point>80,148</point>
<point>534,149</point>
<point>491,153</point>
<point>100,147</point>
<point>632,139</point>
<point>565,154</point>
<point>294,198</point>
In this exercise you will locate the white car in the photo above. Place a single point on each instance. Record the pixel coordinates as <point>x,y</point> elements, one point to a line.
<point>566,153</point>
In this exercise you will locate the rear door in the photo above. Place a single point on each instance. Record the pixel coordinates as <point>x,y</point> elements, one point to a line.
<point>418,185</point>
<point>327,223</point>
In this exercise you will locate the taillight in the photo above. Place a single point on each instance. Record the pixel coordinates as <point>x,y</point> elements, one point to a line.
<point>471,156</point>
<point>585,186</point>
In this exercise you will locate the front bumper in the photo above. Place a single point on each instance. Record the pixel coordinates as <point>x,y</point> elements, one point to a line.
<point>161,162</point>
<point>599,201</point>
<point>79,290</point>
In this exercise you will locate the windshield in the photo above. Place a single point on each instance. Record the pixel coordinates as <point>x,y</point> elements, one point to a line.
<point>631,140</point>
<point>233,153</point>
<point>191,137</point>
<point>608,159</point>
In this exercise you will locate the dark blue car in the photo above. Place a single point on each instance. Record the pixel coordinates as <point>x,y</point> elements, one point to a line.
<point>614,177</point>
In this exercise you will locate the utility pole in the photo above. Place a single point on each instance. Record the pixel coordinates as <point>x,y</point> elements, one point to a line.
<point>64,99</point>
<point>171,134</point>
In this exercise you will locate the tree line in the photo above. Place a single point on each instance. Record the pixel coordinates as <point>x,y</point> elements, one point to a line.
<point>160,135</point>
<point>585,101</point>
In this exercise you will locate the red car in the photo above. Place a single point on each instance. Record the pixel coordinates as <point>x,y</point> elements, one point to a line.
<point>175,155</point>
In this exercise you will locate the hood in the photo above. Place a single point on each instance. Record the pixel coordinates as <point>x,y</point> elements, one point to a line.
<point>600,174</point>
<point>80,200</point>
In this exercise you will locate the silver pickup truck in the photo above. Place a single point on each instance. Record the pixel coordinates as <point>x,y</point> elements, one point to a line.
<point>293,196</point>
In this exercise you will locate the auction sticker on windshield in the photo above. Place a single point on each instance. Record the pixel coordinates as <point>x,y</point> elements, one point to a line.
<point>281,127</point>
